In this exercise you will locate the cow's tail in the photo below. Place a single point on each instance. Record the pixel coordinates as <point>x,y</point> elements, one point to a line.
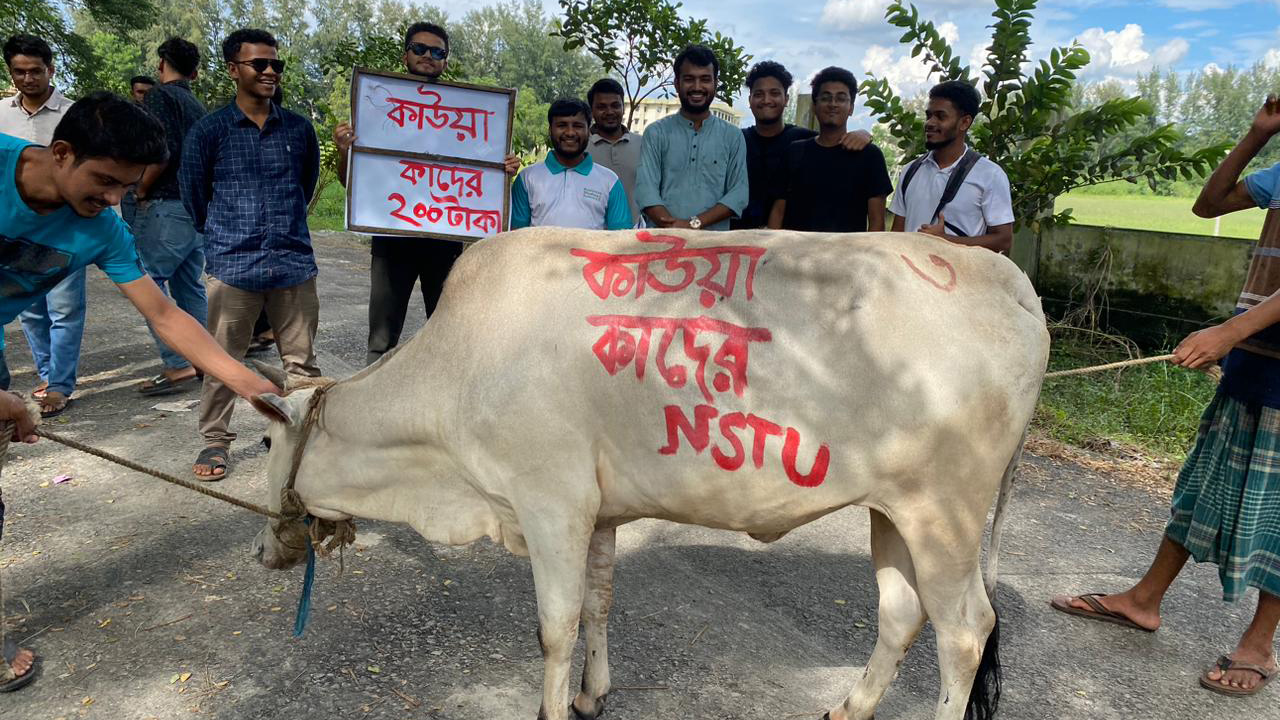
<point>984,697</point>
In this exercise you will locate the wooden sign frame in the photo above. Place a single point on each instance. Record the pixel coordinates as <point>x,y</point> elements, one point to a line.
<point>429,157</point>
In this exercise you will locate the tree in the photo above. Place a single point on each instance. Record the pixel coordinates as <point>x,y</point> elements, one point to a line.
<point>637,40</point>
<point>75,56</point>
<point>512,43</point>
<point>1027,123</point>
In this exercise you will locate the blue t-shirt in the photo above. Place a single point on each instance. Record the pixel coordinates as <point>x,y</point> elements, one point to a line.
<point>1247,376</point>
<point>38,251</point>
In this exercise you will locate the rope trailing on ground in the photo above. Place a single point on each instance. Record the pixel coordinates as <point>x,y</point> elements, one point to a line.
<point>1212,371</point>
<point>190,485</point>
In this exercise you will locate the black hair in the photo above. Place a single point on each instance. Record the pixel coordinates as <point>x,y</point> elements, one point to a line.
<point>181,55</point>
<point>961,94</point>
<point>252,36</point>
<point>768,68</point>
<point>144,79</point>
<point>568,107</point>
<point>421,27</point>
<point>105,125</point>
<point>604,86</point>
<point>29,45</point>
<point>700,56</point>
<point>833,74</point>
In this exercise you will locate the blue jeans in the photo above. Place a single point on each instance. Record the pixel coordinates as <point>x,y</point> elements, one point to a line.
<point>173,254</point>
<point>54,326</point>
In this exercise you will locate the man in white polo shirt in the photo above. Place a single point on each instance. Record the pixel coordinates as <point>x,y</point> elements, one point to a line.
<point>952,191</point>
<point>568,189</point>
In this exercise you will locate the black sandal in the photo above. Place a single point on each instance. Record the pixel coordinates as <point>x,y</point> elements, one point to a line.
<point>23,680</point>
<point>215,458</point>
<point>161,385</point>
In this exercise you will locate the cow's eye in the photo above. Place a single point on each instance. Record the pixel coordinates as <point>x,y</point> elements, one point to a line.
<point>266,442</point>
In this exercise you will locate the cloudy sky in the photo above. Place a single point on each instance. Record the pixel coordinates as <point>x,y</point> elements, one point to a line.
<point>1124,37</point>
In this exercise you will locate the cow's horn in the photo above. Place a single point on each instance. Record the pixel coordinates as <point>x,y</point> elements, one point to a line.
<point>273,373</point>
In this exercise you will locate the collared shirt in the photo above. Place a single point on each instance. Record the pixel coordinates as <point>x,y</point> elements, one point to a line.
<point>688,171</point>
<point>177,109</point>
<point>585,196</point>
<point>36,127</point>
<point>623,158</point>
<point>247,191</point>
<point>982,201</point>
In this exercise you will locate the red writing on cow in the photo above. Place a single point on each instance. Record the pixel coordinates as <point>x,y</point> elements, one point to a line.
<point>626,340</point>
<point>760,430</point>
<point>938,262</point>
<point>674,269</point>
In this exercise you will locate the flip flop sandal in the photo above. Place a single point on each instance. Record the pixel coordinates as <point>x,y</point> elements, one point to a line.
<point>161,385</point>
<point>53,411</point>
<point>10,654</point>
<point>1097,611</point>
<point>215,458</point>
<point>1224,664</point>
<point>40,390</point>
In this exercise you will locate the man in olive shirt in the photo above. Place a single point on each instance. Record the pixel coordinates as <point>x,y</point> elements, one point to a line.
<point>693,167</point>
<point>612,145</point>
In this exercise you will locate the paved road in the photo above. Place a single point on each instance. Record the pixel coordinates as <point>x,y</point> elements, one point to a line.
<point>125,585</point>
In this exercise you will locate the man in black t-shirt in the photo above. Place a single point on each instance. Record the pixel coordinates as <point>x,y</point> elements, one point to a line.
<point>767,86</point>
<point>826,188</point>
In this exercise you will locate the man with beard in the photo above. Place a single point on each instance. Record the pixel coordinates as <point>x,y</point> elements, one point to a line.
<point>980,209</point>
<point>568,189</point>
<point>612,144</point>
<point>54,324</point>
<point>693,167</point>
<point>768,86</point>
<point>248,171</point>
<point>399,262</point>
<point>825,188</point>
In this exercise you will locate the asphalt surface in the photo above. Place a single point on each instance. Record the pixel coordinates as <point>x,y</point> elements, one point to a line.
<point>143,602</point>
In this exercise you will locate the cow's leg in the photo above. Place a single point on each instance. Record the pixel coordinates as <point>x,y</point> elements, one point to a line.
<point>951,590</point>
<point>595,623</point>
<point>901,618</point>
<point>559,559</point>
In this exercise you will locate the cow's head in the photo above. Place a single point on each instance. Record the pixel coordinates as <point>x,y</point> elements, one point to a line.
<point>283,542</point>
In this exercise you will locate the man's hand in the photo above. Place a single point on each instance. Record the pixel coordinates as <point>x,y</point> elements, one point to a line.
<point>1205,347</point>
<point>13,407</point>
<point>1267,122</point>
<point>855,140</point>
<point>344,136</point>
<point>257,385</point>
<point>511,164</point>
<point>939,228</point>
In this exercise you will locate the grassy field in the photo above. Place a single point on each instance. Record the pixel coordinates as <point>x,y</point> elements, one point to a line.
<point>328,214</point>
<point>1150,212</point>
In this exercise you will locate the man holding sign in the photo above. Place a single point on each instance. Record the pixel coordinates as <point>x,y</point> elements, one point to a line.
<point>399,262</point>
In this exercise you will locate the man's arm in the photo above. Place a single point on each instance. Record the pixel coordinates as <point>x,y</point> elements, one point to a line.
<point>193,177</point>
<point>648,180</point>
<point>617,213</point>
<point>899,223</point>
<point>998,237</point>
<point>154,104</point>
<point>875,214</point>
<point>13,407</point>
<point>856,140</point>
<point>343,137</point>
<point>188,338</point>
<point>521,214</point>
<point>1224,192</point>
<point>1205,347</point>
<point>776,213</point>
<point>737,191</point>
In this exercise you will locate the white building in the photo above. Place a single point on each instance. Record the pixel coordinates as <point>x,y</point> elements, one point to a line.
<point>651,110</point>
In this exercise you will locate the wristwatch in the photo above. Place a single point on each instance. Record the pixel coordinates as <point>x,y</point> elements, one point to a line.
<point>695,222</point>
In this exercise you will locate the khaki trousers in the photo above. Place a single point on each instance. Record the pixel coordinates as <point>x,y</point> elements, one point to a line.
<point>294,313</point>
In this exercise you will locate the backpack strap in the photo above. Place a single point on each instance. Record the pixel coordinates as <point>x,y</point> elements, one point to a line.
<point>963,166</point>
<point>910,173</point>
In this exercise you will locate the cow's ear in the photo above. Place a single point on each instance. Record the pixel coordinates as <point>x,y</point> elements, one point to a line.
<point>274,407</point>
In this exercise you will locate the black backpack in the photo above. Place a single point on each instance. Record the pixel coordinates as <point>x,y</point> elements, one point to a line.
<point>963,166</point>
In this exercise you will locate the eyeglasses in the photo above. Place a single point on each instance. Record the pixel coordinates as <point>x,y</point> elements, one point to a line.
<point>38,72</point>
<point>260,65</point>
<point>420,49</point>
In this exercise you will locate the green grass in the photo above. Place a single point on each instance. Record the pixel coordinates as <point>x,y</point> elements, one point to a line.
<point>1152,212</point>
<point>329,212</point>
<point>1155,408</point>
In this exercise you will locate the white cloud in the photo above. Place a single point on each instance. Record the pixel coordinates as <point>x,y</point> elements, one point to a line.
<point>848,14</point>
<point>907,76</point>
<point>1272,59</point>
<point>1200,4</point>
<point>1122,55</point>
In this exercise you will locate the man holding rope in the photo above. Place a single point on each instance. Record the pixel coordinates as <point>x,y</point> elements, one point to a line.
<point>52,224</point>
<point>1226,505</point>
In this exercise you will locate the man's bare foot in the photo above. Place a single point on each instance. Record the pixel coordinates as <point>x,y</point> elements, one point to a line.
<point>1125,605</point>
<point>1242,678</point>
<point>22,662</point>
<point>40,390</point>
<point>21,667</point>
<point>180,374</point>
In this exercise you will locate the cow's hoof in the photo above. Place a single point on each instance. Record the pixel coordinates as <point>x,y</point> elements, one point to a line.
<point>596,711</point>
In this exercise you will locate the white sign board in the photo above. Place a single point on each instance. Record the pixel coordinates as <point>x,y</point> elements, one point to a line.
<point>427,159</point>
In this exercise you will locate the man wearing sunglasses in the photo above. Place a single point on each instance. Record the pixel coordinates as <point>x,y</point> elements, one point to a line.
<point>399,262</point>
<point>248,171</point>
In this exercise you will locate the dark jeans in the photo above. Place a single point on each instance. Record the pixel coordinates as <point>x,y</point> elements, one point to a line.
<point>397,263</point>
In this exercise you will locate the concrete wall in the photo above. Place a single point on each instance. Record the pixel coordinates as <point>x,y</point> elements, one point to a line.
<point>1157,281</point>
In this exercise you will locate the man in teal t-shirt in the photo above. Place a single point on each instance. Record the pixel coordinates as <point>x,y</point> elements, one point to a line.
<point>52,223</point>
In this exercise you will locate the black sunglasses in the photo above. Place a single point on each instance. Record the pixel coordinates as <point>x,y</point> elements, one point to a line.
<point>261,64</point>
<point>420,49</point>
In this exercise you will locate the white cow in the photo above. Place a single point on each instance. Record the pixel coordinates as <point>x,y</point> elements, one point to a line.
<point>572,381</point>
